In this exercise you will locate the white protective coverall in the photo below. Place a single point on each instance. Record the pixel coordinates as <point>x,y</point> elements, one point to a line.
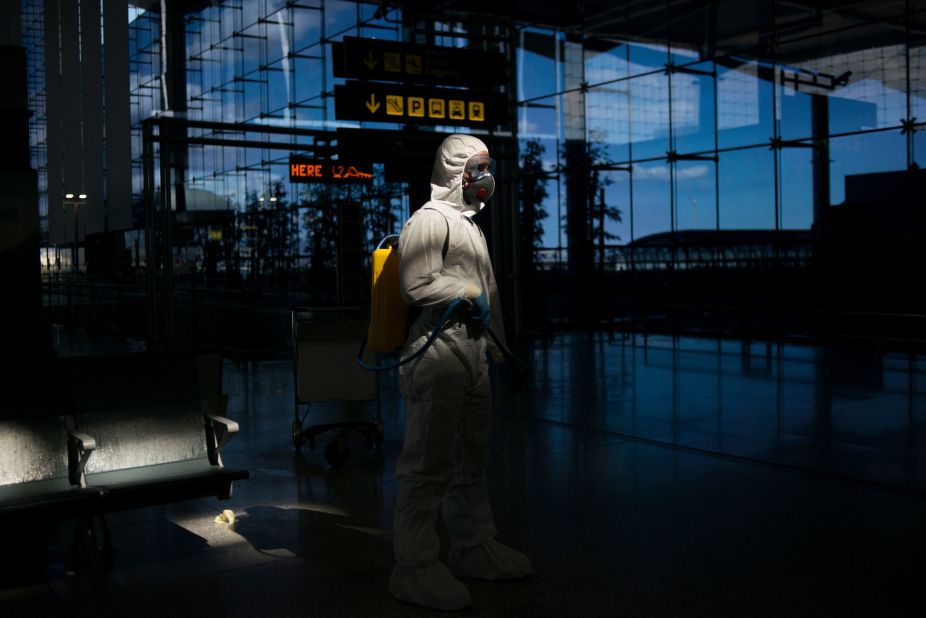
<point>442,257</point>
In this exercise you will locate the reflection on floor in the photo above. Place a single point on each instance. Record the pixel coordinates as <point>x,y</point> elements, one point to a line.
<point>644,476</point>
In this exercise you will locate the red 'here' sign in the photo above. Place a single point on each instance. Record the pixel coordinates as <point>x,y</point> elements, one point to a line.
<point>305,169</point>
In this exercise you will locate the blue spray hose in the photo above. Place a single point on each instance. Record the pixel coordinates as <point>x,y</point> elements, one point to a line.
<point>514,373</point>
<point>427,344</point>
<point>508,354</point>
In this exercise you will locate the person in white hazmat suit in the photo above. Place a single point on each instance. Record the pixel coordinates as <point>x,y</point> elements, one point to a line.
<point>443,257</point>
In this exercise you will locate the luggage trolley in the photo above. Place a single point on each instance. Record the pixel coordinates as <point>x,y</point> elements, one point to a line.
<point>325,370</point>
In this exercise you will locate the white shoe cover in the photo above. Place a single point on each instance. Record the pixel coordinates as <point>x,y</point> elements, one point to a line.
<point>431,585</point>
<point>490,561</point>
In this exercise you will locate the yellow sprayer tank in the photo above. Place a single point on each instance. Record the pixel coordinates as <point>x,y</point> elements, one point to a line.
<point>388,310</point>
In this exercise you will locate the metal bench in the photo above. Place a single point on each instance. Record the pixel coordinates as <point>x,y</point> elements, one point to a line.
<point>158,428</point>
<point>116,432</point>
<point>40,462</point>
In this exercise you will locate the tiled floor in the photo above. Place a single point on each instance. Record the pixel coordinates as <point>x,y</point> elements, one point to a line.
<point>645,477</point>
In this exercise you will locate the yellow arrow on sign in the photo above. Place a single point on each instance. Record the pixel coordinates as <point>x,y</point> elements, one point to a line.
<point>372,105</point>
<point>370,61</point>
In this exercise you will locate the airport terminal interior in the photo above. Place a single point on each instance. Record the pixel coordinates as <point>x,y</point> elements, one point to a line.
<point>704,222</point>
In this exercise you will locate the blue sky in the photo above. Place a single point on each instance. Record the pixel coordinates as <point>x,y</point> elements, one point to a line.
<point>630,115</point>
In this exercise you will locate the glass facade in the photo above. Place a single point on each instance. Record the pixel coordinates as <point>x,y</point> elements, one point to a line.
<point>254,62</point>
<point>33,38</point>
<point>258,64</point>
<point>726,134</point>
<point>718,115</point>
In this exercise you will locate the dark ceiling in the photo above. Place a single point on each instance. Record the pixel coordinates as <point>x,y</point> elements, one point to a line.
<point>781,30</point>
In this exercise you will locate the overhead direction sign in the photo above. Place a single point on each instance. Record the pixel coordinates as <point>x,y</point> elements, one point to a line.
<point>410,62</point>
<point>377,102</point>
<point>307,169</point>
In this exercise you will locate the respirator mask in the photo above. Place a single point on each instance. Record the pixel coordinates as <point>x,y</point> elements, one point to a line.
<point>478,179</point>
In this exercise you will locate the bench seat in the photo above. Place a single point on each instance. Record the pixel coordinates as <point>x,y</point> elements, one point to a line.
<point>116,432</point>
<point>162,483</point>
<point>47,499</point>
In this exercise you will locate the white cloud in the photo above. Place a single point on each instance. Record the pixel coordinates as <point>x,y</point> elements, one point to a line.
<point>661,172</point>
<point>695,171</point>
<point>526,126</point>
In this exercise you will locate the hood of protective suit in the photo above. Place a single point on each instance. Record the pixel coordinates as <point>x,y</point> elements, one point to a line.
<point>447,177</point>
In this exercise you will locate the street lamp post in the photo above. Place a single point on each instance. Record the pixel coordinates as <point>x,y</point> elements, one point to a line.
<point>76,202</point>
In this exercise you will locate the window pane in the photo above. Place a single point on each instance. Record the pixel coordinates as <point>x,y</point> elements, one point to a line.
<point>684,55</point>
<point>279,35</point>
<point>695,196</point>
<point>919,148</point>
<point>536,64</point>
<point>250,12</point>
<point>693,110</point>
<point>794,111</point>
<point>274,5</point>
<point>536,178</point>
<point>308,78</point>
<point>340,19</point>
<point>744,103</point>
<point>279,172</point>
<point>918,80</point>
<point>538,119</point>
<point>796,188</point>
<point>553,233</point>
<point>617,195</point>
<point>646,58</point>
<point>252,99</point>
<point>864,89</point>
<point>228,23</point>
<point>230,110</point>
<point>649,116</point>
<point>605,61</point>
<point>651,212</point>
<point>864,154</point>
<point>311,115</point>
<point>607,120</point>
<point>230,65</point>
<point>279,81</point>
<point>877,97</point>
<point>306,28</point>
<point>250,43</point>
<point>747,192</point>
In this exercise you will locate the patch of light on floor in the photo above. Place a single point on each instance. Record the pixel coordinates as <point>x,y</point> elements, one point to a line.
<point>222,535</point>
<point>204,526</point>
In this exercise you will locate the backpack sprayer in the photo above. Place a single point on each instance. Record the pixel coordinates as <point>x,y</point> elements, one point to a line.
<point>390,313</point>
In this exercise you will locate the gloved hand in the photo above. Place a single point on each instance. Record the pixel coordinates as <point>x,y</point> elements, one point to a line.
<point>479,314</point>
